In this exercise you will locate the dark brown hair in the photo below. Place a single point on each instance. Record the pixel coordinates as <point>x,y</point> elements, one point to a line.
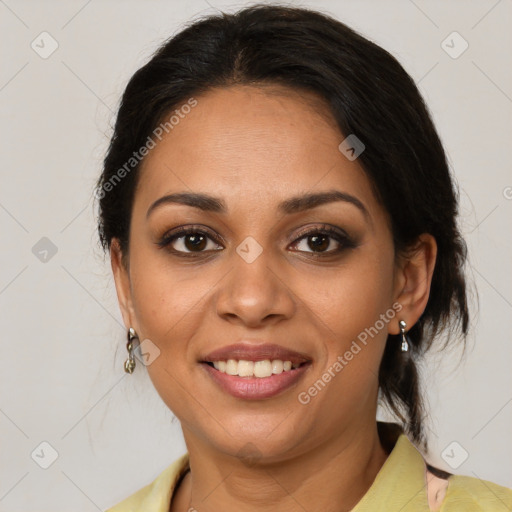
<point>369,94</point>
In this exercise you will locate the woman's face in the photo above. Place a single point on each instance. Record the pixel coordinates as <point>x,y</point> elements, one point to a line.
<point>260,270</point>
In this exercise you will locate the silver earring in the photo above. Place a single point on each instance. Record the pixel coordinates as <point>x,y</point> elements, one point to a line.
<point>405,344</point>
<point>129,364</point>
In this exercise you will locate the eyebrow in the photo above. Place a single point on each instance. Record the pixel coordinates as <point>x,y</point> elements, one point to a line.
<point>296,204</point>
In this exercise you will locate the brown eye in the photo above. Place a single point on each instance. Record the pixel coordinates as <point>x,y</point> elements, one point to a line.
<point>187,241</point>
<point>327,240</point>
<point>319,242</point>
<point>195,242</point>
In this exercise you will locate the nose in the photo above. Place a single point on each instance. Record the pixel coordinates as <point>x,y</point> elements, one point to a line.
<point>254,294</point>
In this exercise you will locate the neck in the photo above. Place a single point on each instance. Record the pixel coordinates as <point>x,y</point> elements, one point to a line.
<point>330,477</point>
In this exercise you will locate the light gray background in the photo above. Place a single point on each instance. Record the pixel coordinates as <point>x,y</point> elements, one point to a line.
<point>62,338</point>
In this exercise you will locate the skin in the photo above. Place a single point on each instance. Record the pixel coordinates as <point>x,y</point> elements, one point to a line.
<point>255,147</point>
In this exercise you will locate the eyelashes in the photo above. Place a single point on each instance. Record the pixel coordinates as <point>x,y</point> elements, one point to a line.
<point>326,232</point>
<point>201,236</point>
<point>195,241</point>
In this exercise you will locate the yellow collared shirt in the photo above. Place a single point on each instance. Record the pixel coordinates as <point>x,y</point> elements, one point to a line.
<point>400,485</point>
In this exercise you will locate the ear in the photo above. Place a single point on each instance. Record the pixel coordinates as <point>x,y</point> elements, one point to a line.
<point>122,282</point>
<point>413,277</point>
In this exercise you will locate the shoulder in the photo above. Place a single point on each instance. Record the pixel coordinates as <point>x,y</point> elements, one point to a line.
<point>155,496</point>
<point>457,493</point>
<point>471,494</point>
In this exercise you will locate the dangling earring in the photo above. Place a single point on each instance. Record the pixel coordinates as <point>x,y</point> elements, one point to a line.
<point>129,364</point>
<point>405,344</point>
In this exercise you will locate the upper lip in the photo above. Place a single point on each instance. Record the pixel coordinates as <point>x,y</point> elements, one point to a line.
<point>255,352</point>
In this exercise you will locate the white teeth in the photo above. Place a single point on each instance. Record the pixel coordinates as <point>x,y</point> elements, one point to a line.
<point>263,368</point>
<point>277,366</point>
<point>244,368</point>
<point>232,367</point>
<point>220,365</point>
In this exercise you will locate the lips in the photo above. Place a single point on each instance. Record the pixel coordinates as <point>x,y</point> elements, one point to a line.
<point>256,387</point>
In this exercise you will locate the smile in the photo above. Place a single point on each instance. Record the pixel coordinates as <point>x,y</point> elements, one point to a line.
<point>255,380</point>
<point>260,369</point>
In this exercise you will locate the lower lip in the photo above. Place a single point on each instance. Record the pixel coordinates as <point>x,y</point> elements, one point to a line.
<point>256,388</point>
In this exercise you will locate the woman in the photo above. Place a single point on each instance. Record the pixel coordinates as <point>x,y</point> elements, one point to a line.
<point>281,222</point>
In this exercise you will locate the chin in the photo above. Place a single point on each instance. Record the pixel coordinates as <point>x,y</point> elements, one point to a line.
<point>270,442</point>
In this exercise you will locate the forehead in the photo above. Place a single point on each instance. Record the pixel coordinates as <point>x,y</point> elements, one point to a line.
<point>249,143</point>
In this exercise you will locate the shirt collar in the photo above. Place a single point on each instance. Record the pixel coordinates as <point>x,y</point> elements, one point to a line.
<point>400,484</point>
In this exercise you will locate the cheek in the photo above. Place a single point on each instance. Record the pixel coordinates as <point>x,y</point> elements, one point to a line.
<point>352,314</point>
<point>166,296</point>
<point>353,297</point>
<point>169,308</point>
<point>355,311</point>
